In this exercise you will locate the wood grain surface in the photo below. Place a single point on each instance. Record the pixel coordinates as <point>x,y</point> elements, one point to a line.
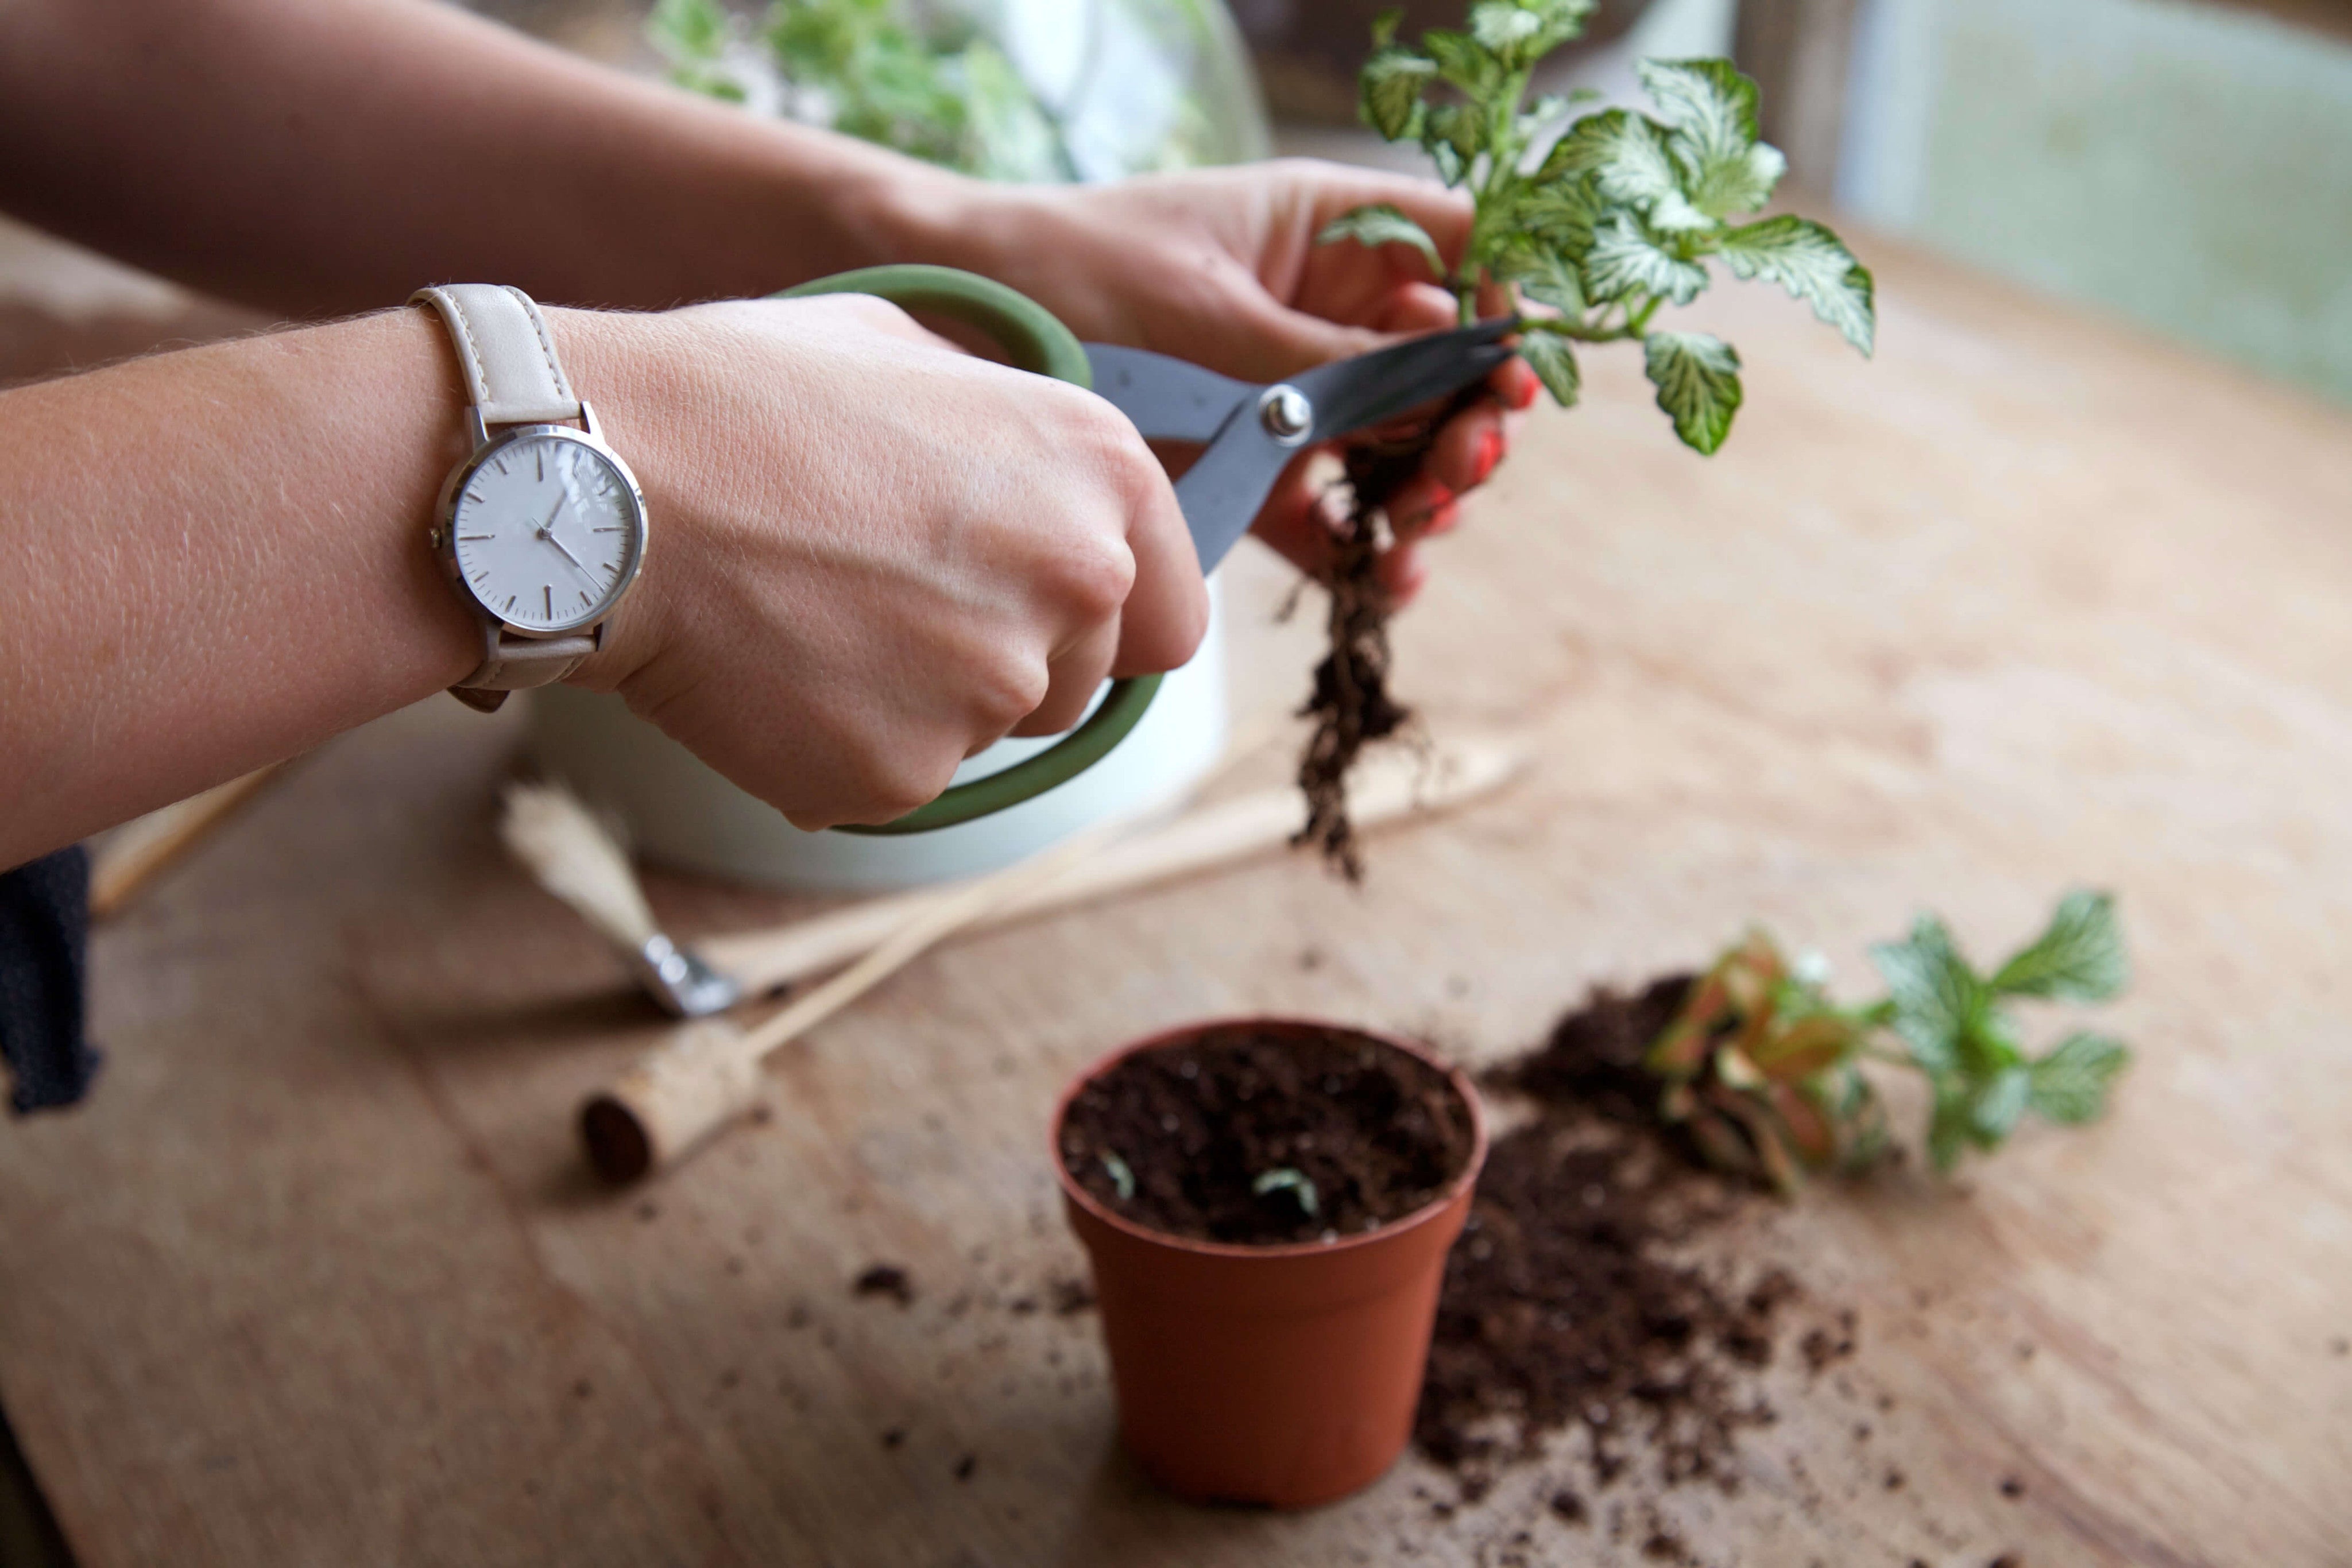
<point>318,1278</point>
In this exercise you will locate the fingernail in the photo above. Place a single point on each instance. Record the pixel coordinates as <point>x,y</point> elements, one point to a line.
<point>1524,385</point>
<point>1490,452</point>
<point>1444,519</point>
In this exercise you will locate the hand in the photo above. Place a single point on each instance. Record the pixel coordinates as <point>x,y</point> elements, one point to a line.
<point>871,555</point>
<point>1221,267</point>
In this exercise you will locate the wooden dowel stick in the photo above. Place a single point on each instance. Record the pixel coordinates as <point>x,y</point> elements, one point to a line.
<point>1392,786</point>
<point>132,856</point>
<point>706,1073</point>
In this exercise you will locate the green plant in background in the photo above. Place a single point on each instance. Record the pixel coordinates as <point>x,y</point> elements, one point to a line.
<point>1602,220</point>
<point>1766,1070</point>
<point>921,82</point>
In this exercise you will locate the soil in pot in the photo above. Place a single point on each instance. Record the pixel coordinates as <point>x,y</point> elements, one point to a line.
<point>1244,1137</point>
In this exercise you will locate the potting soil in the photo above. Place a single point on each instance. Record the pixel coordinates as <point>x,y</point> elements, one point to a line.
<point>1256,1138</point>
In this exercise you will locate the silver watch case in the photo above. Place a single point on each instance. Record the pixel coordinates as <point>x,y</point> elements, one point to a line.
<point>486,447</point>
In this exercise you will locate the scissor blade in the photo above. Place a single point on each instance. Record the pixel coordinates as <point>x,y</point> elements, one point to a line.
<point>1222,493</point>
<point>1168,399</point>
<point>1349,395</point>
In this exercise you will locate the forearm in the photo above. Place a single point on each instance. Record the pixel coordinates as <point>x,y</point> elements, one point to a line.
<point>212,560</point>
<point>322,158</point>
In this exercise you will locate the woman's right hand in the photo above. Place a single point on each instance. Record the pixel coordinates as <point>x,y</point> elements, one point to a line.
<point>871,555</point>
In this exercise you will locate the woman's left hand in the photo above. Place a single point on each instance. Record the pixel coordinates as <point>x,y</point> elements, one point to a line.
<point>1220,266</point>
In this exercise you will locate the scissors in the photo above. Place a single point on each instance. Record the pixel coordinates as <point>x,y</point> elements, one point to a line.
<point>1250,433</point>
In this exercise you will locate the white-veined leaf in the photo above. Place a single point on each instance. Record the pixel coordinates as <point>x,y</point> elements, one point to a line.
<point>1520,32</point>
<point>1707,103</point>
<point>1994,1111</point>
<point>1625,159</point>
<point>1934,990</point>
<point>2070,1084</point>
<point>1697,378</point>
<point>2078,959</point>
<point>1374,226</point>
<point>1731,185</point>
<point>1811,263</point>
<point>1626,259</point>
<point>1553,359</point>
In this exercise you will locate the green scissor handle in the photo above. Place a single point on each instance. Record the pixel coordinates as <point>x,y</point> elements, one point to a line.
<point>1034,340</point>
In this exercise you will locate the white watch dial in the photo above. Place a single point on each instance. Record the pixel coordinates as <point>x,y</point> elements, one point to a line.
<point>546,532</point>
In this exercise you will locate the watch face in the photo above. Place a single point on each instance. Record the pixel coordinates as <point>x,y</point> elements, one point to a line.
<point>547,530</point>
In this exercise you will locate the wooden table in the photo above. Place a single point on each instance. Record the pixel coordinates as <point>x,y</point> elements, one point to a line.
<point>317,1277</point>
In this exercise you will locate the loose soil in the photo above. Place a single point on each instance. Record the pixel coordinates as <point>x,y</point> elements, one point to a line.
<point>1571,1301</point>
<point>1350,703</point>
<point>1195,1126</point>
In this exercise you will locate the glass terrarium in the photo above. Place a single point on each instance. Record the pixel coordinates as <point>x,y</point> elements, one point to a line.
<point>1008,90</point>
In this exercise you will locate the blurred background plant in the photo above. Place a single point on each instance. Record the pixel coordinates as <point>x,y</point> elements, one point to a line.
<point>1006,90</point>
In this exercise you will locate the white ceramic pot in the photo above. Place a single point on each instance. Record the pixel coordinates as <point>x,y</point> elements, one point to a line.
<point>681,814</point>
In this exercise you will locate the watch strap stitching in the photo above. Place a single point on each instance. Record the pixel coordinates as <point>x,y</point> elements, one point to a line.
<point>546,345</point>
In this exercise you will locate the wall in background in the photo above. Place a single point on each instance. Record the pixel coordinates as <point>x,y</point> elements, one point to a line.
<point>2188,165</point>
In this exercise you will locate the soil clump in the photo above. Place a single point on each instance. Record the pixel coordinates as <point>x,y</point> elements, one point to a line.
<point>1572,1299</point>
<point>1246,1136</point>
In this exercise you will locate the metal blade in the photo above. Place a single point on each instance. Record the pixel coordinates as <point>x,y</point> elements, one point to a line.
<point>1168,399</point>
<point>1222,493</point>
<point>1349,395</point>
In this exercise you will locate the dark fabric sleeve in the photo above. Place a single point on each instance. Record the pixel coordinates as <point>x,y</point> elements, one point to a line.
<point>44,949</point>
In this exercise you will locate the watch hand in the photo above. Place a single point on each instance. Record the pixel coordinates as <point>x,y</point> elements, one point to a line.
<point>547,531</point>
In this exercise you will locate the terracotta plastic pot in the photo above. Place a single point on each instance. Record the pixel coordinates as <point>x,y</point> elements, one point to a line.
<point>1280,1375</point>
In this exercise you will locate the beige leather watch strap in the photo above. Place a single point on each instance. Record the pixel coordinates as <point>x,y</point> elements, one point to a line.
<point>502,345</point>
<point>512,377</point>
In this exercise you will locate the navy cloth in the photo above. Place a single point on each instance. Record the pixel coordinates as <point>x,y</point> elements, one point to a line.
<point>43,954</point>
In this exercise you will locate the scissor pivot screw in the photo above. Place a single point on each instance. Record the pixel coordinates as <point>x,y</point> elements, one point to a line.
<point>1286,414</point>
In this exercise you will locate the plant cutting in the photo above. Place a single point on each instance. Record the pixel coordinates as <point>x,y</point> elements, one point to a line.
<point>1267,1205</point>
<point>1597,224</point>
<point>1766,1070</point>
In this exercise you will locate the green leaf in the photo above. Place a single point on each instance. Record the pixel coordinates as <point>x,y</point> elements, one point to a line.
<point>1391,86</point>
<point>1457,126</point>
<point>1384,27</point>
<point>1997,1104</point>
<point>1543,274</point>
<point>1811,263</point>
<point>1452,167</point>
<point>1380,224</point>
<point>1626,158</point>
<point>1626,259</point>
<point>1553,361</point>
<point>1464,61</point>
<point>2070,1084</point>
<point>1697,378</point>
<point>2079,958</point>
<point>1934,990</point>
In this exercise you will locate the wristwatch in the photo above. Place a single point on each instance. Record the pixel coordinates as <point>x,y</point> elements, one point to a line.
<point>542,528</point>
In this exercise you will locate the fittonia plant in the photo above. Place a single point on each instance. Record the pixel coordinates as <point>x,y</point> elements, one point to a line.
<point>1599,223</point>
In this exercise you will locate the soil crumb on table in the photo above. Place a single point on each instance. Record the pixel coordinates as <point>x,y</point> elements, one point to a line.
<point>1258,1138</point>
<point>1571,1301</point>
<point>885,1279</point>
